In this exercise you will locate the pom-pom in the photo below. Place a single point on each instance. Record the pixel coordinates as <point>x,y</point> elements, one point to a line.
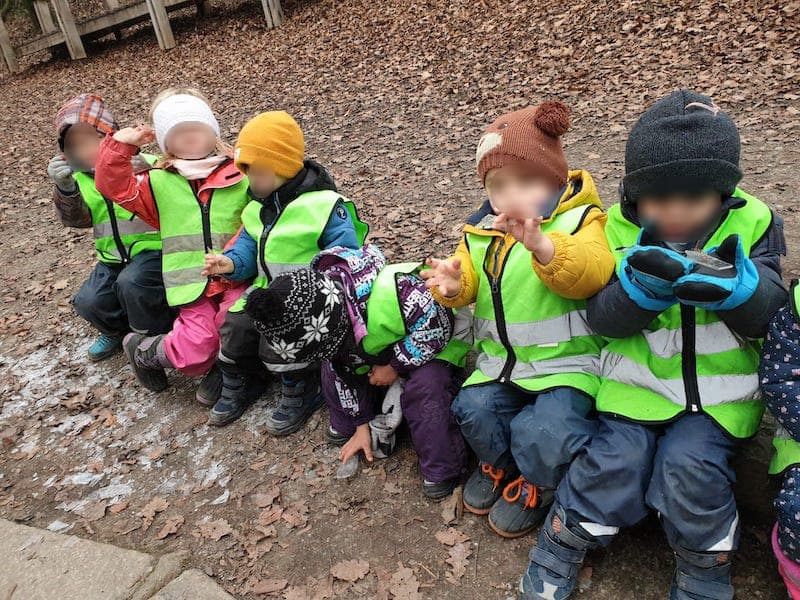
<point>552,118</point>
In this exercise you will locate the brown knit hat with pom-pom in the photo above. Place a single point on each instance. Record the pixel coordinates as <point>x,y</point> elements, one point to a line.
<point>530,137</point>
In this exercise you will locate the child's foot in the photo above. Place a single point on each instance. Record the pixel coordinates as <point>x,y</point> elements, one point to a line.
<point>521,508</point>
<point>701,576</point>
<point>210,388</point>
<point>105,346</point>
<point>335,438</point>
<point>483,488</point>
<point>299,399</point>
<point>438,490</point>
<point>238,393</point>
<point>147,359</point>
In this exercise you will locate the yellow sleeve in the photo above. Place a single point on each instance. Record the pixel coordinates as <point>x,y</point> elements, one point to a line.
<point>469,281</point>
<point>582,264</point>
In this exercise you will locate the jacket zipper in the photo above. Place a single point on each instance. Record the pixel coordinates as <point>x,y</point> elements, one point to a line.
<point>500,318</point>
<point>262,243</point>
<point>689,359</point>
<point>123,251</point>
<point>205,211</point>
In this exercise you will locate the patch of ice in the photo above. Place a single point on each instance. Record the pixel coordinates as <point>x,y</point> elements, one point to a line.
<point>222,498</point>
<point>58,526</point>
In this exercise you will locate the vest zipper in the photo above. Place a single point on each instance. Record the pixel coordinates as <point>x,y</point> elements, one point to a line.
<point>500,317</point>
<point>265,231</point>
<point>689,359</point>
<point>123,251</point>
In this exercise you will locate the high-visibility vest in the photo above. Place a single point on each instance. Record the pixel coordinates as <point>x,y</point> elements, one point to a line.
<point>385,324</point>
<point>525,334</point>
<point>118,234</point>
<point>787,450</point>
<point>687,360</point>
<point>191,229</point>
<point>295,237</point>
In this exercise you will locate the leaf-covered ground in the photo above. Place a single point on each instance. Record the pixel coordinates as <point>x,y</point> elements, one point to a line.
<point>392,95</point>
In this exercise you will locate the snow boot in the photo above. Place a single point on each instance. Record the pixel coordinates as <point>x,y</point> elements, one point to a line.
<point>210,388</point>
<point>300,397</point>
<point>147,359</point>
<point>789,570</point>
<point>484,487</point>
<point>438,490</point>
<point>239,391</point>
<point>556,559</point>
<point>521,508</point>
<point>701,576</point>
<point>105,346</point>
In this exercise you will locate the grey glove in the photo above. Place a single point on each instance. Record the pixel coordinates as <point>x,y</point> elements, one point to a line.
<point>61,173</point>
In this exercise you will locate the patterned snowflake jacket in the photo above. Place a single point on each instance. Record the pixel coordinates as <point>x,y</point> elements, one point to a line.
<point>780,370</point>
<point>429,325</point>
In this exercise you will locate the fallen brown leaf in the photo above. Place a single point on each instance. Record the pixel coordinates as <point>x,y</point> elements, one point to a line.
<point>350,570</point>
<point>171,527</point>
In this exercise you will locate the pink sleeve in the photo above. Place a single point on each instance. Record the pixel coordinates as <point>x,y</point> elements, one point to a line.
<point>115,179</point>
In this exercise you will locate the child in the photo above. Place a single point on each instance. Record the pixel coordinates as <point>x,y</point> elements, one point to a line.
<point>124,291</point>
<point>529,257</point>
<point>294,212</point>
<point>370,324</point>
<point>780,374</point>
<point>698,277</point>
<point>195,196</point>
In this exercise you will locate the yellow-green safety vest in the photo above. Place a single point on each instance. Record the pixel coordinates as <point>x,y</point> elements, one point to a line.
<point>191,229</point>
<point>525,334</point>
<point>687,360</point>
<point>294,239</point>
<point>385,324</point>
<point>787,450</point>
<point>119,235</point>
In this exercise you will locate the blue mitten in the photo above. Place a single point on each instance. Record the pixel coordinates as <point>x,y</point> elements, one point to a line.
<point>648,274</point>
<point>715,289</point>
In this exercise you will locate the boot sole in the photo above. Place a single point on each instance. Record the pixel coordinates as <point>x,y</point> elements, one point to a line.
<point>511,536</point>
<point>104,356</point>
<point>477,511</point>
<point>204,402</point>
<point>132,362</point>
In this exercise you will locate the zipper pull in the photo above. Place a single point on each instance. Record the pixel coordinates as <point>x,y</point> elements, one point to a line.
<point>494,285</point>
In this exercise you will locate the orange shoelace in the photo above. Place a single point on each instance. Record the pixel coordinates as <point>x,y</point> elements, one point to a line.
<point>497,475</point>
<point>514,490</point>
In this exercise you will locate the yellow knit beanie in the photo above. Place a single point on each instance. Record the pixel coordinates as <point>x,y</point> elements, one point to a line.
<point>272,140</point>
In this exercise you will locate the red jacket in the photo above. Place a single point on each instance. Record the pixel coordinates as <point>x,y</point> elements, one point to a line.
<point>116,180</point>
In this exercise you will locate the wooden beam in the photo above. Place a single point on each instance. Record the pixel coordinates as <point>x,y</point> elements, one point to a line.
<point>67,25</point>
<point>8,50</point>
<point>112,4</point>
<point>273,13</point>
<point>158,15</point>
<point>42,10</point>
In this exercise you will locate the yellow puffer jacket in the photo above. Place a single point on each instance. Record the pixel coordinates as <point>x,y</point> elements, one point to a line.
<point>581,266</point>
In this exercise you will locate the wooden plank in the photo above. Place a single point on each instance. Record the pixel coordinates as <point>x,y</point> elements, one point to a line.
<point>273,13</point>
<point>112,4</point>
<point>42,10</point>
<point>8,50</point>
<point>67,25</point>
<point>158,15</point>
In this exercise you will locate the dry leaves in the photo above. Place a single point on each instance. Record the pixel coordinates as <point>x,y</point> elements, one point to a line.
<point>267,586</point>
<point>213,530</point>
<point>151,509</point>
<point>459,554</point>
<point>404,585</point>
<point>350,570</point>
<point>171,527</point>
<point>451,537</point>
<point>453,507</point>
<point>267,497</point>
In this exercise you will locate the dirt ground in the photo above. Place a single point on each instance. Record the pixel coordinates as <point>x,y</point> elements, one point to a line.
<point>392,96</point>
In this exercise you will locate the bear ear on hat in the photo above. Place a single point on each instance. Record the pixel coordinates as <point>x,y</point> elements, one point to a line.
<point>552,117</point>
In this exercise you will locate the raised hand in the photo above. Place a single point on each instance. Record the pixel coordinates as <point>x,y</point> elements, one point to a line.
<point>60,172</point>
<point>444,275</point>
<point>141,135</point>
<point>528,232</point>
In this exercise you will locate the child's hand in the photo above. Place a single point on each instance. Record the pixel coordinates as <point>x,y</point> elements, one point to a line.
<point>61,173</point>
<point>529,233</point>
<point>361,441</point>
<point>141,135</point>
<point>217,264</point>
<point>383,375</point>
<point>445,275</point>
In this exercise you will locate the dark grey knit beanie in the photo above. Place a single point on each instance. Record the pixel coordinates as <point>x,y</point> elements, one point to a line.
<point>683,143</point>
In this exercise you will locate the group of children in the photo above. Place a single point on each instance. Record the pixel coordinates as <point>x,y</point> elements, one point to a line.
<point>617,353</point>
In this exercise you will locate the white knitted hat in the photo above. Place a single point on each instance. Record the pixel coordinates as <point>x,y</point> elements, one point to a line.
<point>181,108</point>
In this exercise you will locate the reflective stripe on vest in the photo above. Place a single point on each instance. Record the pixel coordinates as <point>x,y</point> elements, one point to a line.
<point>190,229</point>
<point>643,376</point>
<point>385,324</point>
<point>787,450</point>
<point>295,238</point>
<point>525,333</point>
<point>118,234</point>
